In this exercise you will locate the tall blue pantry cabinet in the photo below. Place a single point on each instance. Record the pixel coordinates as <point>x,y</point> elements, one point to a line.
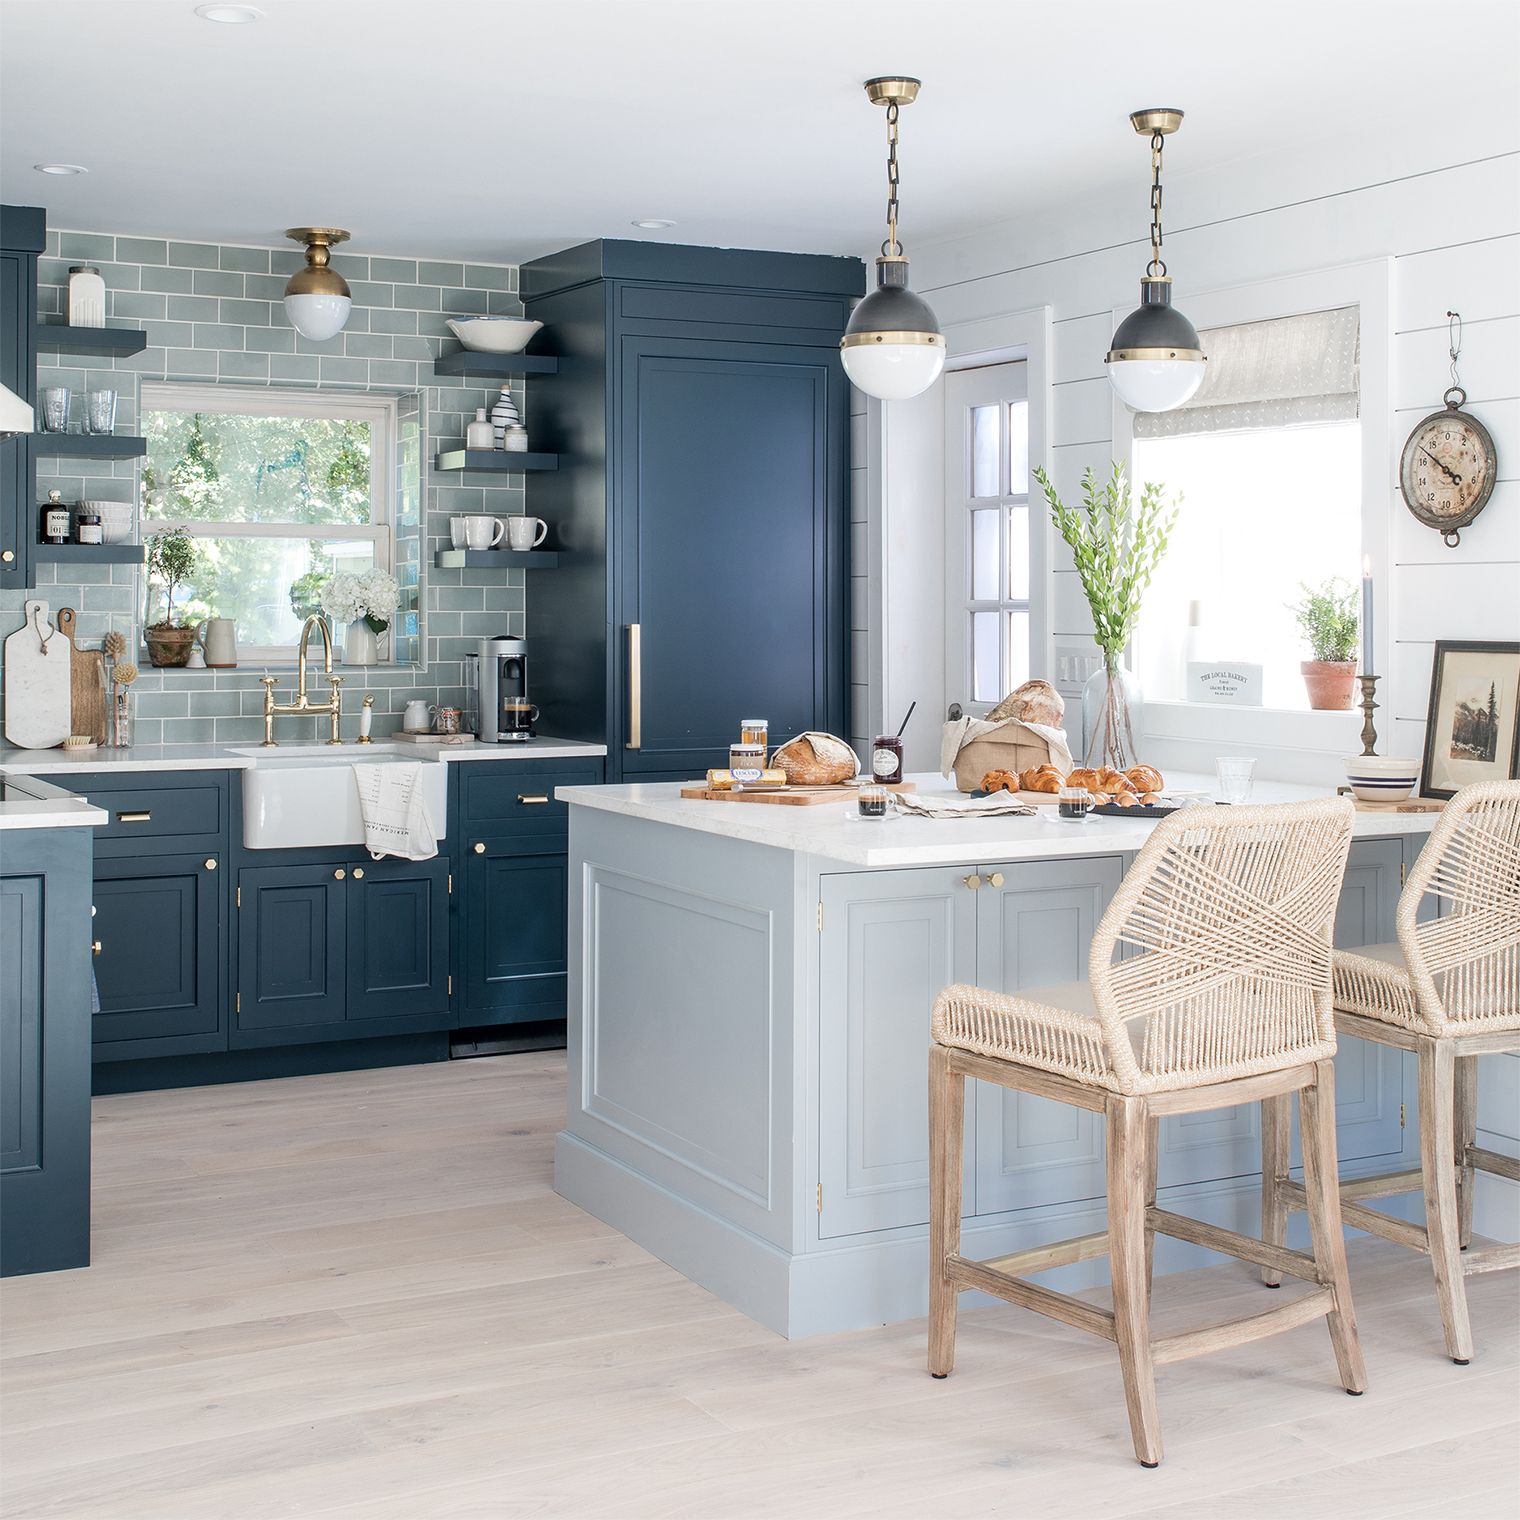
<point>701,506</point>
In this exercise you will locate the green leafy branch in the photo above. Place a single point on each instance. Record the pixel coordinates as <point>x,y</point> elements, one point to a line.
<point>1116,547</point>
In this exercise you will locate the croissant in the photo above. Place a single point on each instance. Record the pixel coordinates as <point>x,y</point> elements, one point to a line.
<point>1145,778</point>
<point>1000,781</point>
<point>1083,776</point>
<point>1112,781</point>
<point>1043,778</point>
<point>1126,799</point>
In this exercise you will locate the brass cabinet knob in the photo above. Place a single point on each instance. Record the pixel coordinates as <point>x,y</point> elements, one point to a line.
<point>996,878</point>
<point>8,557</point>
<point>211,863</point>
<point>339,874</point>
<point>94,947</point>
<point>973,881</point>
<point>479,848</point>
<point>358,873</point>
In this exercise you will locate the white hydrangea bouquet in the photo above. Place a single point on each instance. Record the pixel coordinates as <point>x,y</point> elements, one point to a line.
<point>373,596</point>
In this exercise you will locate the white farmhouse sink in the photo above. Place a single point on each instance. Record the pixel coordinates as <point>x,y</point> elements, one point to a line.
<point>297,798</point>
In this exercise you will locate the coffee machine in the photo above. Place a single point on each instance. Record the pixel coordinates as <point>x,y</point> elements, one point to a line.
<point>503,713</point>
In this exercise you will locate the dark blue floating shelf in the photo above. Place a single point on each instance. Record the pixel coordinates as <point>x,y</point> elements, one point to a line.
<point>494,461</point>
<point>87,554</point>
<point>495,559</point>
<point>89,445</point>
<point>465,361</point>
<point>116,341</point>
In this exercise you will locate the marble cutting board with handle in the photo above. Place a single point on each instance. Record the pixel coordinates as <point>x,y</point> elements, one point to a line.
<point>38,682</point>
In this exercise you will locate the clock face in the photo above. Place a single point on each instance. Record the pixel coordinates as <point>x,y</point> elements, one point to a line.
<point>1448,468</point>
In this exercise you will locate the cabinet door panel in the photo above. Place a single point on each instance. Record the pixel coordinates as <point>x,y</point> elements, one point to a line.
<point>891,941</point>
<point>158,972</point>
<point>398,935</point>
<point>728,556</point>
<point>515,933</point>
<point>1035,931</point>
<point>291,957</point>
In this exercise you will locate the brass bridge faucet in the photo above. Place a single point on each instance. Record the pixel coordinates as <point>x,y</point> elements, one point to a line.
<point>303,703</point>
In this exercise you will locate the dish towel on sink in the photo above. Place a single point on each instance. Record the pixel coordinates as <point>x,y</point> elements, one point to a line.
<point>395,813</point>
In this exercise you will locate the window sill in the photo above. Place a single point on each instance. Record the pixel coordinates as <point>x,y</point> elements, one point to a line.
<point>1251,728</point>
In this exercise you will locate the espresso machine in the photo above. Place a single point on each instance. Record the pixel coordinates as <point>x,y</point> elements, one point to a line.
<point>503,713</point>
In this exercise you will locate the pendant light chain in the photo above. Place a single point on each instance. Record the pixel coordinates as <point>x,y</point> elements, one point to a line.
<point>1156,269</point>
<point>891,248</point>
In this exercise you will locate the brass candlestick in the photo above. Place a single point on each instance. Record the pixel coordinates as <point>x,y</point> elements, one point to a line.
<point>1369,704</point>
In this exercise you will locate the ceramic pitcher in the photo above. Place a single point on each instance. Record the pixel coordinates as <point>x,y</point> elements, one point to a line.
<point>218,637</point>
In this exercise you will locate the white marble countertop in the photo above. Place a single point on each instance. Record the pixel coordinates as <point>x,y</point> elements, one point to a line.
<point>835,831</point>
<point>237,757</point>
<point>29,804</point>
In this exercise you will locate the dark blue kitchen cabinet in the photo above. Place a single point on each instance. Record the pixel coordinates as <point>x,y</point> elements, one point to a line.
<point>398,939</point>
<point>292,925</point>
<point>514,932</point>
<point>158,925</point>
<point>701,506</point>
<point>23,233</point>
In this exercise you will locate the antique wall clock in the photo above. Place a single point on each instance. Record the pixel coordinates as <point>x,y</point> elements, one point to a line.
<point>1449,464</point>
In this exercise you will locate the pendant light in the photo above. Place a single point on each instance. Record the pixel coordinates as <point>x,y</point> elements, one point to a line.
<point>892,347</point>
<point>1155,362</point>
<point>15,414</point>
<point>317,298</point>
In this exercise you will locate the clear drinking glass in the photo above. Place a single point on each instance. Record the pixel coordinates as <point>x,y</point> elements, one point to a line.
<point>55,409</point>
<point>1233,777</point>
<point>1073,803</point>
<point>100,412</point>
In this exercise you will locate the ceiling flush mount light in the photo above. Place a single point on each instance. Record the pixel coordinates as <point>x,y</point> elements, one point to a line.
<point>1155,362</point>
<point>652,223</point>
<point>892,347</point>
<point>229,15</point>
<point>317,298</point>
<point>60,168</point>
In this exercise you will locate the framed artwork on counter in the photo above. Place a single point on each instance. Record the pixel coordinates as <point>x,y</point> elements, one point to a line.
<point>1473,730</point>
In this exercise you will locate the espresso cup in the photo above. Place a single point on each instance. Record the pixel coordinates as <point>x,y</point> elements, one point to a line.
<point>518,717</point>
<point>483,532</point>
<point>526,532</point>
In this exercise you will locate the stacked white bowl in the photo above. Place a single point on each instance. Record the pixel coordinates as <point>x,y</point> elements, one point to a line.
<point>1381,778</point>
<point>115,519</point>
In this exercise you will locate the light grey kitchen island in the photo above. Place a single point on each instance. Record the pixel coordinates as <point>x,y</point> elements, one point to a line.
<point>750,992</point>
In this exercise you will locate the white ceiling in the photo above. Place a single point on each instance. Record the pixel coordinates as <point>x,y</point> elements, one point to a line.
<point>497,131</point>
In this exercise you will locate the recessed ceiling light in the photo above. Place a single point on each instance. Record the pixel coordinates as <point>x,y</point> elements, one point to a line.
<point>652,223</point>
<point>229,15</point>
<point>60,168</point>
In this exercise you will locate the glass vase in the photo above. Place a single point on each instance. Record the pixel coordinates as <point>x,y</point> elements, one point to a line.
<point>121,718</point>
<point>361,645</point>
<point>1110,700</point>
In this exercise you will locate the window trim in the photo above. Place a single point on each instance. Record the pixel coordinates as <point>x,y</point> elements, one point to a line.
<point>381,411</point>
<point>1367,285</point>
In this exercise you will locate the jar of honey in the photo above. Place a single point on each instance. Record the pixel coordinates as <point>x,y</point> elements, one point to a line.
<point>755,731</point>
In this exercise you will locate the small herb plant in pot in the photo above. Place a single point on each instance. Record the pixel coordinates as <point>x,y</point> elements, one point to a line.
<point>172,559</point>
<point>1328,621</point>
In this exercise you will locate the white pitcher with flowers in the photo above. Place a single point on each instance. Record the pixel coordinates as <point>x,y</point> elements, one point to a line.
<point>365,604</point>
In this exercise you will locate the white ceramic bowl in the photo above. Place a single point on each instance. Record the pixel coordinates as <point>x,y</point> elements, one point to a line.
<point>1380,778</point>
<point>115,519</point>
<point>494,335</point>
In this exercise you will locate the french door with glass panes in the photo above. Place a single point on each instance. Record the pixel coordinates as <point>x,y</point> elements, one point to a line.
<point>989,536</point>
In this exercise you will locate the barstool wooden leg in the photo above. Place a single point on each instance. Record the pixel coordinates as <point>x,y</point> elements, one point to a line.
<point>1465,1112</point>
<point>1437,1082</point>
<point>1316,1113</point>
<point>947,1108</point>
<point>1127,1169</point>
<point>1276,1132</point>
<point>1152,1165</point>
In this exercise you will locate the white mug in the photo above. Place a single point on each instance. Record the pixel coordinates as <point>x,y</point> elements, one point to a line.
<point>483,532</point>
<point>417,717</point>
<point>526,532</point>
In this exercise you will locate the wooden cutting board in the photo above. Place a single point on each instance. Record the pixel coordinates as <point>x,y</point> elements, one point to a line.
<point>1408,805</point>
<point>87,683</point>
<point>403,737</point>
<point>790,796</point>
<point>37,682</point>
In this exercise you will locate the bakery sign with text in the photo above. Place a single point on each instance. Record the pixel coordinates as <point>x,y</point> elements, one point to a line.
<point>1230,683</point>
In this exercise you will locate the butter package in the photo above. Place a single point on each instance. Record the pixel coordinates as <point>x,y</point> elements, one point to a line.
<point>723,781</point>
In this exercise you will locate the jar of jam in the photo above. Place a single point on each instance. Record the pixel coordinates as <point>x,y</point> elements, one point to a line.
<point>87,528</point>
<point>886,759</point>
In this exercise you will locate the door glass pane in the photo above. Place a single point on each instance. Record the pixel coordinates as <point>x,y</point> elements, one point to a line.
<point>985,679</point>
<point>1018,448</point>
<point>1018,554</point>
<point>984,555</point>
<point>1018,649</point>
<point>984,451</point>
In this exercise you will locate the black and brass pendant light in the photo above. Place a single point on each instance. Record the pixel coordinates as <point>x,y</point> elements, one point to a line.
<point>1155,362</point>
<point>317,298</point>
<point>892,347</point>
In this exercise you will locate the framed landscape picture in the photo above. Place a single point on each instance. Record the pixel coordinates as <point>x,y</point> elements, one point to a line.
<point>1473,731</point>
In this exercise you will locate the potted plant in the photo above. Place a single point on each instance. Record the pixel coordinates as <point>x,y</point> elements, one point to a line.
<point>1116,546</point>
<point>1327,619</point>
<point>172,558</point>
<point>365,603</point>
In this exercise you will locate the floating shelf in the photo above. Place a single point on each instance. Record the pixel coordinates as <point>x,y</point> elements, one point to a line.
<point>117,341</point>
<point>87,554</point>
<point>495,559</point>
<point>494,461</point>
<point>89,445</point>
<point>466,361</point>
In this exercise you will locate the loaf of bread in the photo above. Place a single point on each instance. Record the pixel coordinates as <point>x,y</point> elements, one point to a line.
<point>1033,702</point>
<point>1042,778</point>
<point>816,760</point>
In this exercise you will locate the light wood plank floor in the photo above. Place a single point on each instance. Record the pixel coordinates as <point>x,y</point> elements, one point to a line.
<point>357,1296</point>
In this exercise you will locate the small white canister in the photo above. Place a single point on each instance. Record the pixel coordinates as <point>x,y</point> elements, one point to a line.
<point>87,297</point>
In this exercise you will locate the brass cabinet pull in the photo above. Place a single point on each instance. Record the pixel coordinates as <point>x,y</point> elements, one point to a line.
<point>95,947</point>
<point>339,874</point>
<point>211,864</point>
<point>358,873</point>
<point>973,881</point>
<point>530,800</point>
<point>478,847</point>
<point>996,878</point>
<point>142,817</point>
<point>635,688</point>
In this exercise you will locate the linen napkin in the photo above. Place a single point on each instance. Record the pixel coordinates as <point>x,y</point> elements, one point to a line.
<point>394,810</point>
<point>999,805</point>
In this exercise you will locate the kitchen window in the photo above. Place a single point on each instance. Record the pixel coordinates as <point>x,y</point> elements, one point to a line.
<point>989,534</point>
<point>280,490</point>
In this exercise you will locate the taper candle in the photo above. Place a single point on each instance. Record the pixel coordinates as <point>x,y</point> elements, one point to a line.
<point>1367,666</point>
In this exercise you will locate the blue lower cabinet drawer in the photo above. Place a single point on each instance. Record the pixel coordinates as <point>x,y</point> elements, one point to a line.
<point>158,811</point>
<point>518,795</point>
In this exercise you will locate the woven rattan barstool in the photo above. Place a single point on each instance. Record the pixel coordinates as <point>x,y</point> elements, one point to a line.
<point>1449,990</point>
<point>1220,995</point>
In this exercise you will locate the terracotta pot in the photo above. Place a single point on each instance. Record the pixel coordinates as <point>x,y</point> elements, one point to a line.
<point>169,647</point>
<point>1330,684</point>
